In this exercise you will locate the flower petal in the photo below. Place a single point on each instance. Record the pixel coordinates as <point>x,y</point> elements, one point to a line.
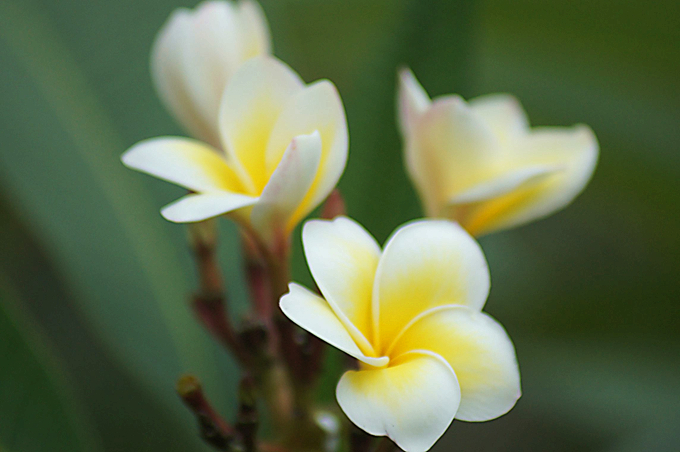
<point>199,207</point>
<point>287,187</point>
<point>575,150</point>
<point>342,258</point>
<point>504,114</point>
<point>252,102</point>
<point>255,39</point>
<point>450,150</point>
<point>316,107</point>
<point>313,314</point>
<point>427,263</point>
<point>505,183</point>
<point>195,54</point>
<point>413,401</point>
<point>478,350</point>
<point>183,161</point>
<point>412,100</point>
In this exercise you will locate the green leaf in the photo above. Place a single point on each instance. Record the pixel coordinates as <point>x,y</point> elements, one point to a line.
<point>94,218</point>
<point>38,409</point>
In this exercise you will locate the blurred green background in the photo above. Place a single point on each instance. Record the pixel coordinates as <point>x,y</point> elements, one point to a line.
<point>94,326</point>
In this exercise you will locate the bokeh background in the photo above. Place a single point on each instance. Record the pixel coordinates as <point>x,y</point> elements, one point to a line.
<point>94,325</point>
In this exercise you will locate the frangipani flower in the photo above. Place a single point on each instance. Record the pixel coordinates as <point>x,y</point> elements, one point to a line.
<point>411,315</point>
<point>480,164</point>
<point>285,147</point>
<point>197,52</point>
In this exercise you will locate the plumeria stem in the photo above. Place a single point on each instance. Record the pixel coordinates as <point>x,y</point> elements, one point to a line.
<point>257,278</point>
<point>247,421</point>
<point>214,430</point>
<point>334,206</point>
<point>209,303</point>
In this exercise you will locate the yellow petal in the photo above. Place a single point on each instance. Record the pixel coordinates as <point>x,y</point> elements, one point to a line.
<point>505,183</point>
<point>183,161</point>
<point>199,207</point>
<point>479,352</point>
<point>287,187</point>
<point>342,258</point>
<point>253,100</point>
<point>413,401</point>
<point>574,150</point>
<point>504,114</point>
<point>316,107</point>
<point>313,314</point>
<point>450,150</point>
<point>427,263</point>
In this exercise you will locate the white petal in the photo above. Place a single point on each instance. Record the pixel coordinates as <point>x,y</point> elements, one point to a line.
<point>316,107</point>
<point>413,401</point>
<point>199,207</point>
<point>168,75</point>
<point>480,353</point>
<point>255,39</point>
<point>427,263</point>
<point>252,102</point>
<point>211,56</point>
<point>412,100</point>
<point>505,183</point>
<point>504,114</point>
<point>574,150</point>
<point>183,161</point>
<point>195,54</point>
<point>451,149</point>
<point>287,187</point>
<point>342,257</point>
<point>313,314</point>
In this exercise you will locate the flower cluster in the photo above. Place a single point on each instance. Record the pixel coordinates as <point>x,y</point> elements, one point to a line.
<point>267,149</point>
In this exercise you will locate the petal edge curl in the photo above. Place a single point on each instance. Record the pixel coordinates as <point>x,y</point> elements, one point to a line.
<point>413,401</point>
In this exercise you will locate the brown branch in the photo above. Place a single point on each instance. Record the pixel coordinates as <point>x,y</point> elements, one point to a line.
<point>209,302</point>
<point>334,205</point>
<point>247,418</point>
<point>214,430</point>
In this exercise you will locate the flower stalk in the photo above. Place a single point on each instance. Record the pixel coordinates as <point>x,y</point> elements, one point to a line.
<point>213,429</point>
<point>209,302</point>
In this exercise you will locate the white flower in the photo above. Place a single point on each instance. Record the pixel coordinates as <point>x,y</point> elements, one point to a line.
<point>480,164</point>
<point>285,148</point>
<point>411,315</point>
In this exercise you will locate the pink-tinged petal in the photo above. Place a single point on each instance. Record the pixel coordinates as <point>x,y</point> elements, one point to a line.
<point>287,187</point>
<point>413,400</point>
<point>313,314</point>
<point>252,103</point>
<point>504,114</point>
<point>574,150</point>
<point>316,107</point>
<point>427,263</point>
<point>450,150</point>
<point>199,207</point>
<point>343,257</point>
<point>189,163</point>
<point>478,350</point>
